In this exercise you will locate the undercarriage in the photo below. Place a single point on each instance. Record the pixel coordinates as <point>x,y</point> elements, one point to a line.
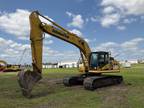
<point>92,81</point>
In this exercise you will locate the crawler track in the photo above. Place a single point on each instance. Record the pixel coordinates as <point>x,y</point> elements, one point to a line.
<point>92,82</point>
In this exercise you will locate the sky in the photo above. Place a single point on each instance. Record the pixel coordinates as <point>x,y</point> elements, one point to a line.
<point>107,25</point>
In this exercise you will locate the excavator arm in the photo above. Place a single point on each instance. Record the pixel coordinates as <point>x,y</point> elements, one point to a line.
<point>28,79</point>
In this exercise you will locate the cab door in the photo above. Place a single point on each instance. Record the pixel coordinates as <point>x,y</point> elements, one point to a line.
<point>98,60</point>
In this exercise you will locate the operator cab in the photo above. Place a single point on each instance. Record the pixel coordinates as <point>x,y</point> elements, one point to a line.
<point>99,59</point>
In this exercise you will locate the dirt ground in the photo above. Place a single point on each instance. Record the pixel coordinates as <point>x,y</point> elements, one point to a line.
<point>117,95</point>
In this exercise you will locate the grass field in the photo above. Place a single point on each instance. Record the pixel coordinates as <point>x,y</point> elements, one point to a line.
<point>50,92</point>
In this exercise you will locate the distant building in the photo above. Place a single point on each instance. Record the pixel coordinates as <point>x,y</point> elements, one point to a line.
<point>126,64</point>
<point>129,61</point>
<point>141,61</point>
<point>50,65</point>
<point>68,64</point>
<point>133,61</point>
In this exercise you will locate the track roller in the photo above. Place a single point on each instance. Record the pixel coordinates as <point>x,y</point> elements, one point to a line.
<point>94,82</point>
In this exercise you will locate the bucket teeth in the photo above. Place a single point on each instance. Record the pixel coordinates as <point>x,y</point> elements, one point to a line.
<point>27,80</point>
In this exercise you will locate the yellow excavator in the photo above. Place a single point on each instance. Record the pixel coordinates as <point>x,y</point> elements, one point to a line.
<point>5,67</point>
<point>94,63</point>
<point>2,65</point>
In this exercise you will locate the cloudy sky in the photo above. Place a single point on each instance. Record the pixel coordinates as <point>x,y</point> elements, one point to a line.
<point>110,25</point>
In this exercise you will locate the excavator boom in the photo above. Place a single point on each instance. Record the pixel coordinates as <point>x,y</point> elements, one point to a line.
<point>38,28</point>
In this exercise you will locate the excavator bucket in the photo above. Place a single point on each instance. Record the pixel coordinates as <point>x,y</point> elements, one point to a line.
<point>27,79</point>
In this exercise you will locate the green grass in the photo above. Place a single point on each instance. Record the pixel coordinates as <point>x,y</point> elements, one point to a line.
<point>48,93</point>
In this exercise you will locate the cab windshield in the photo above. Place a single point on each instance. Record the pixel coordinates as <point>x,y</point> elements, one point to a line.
<point>98,59</point>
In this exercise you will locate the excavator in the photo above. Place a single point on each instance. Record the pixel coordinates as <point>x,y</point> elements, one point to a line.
<point>5,67</point>
<point>2,65</point>
<point>92,72</point>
